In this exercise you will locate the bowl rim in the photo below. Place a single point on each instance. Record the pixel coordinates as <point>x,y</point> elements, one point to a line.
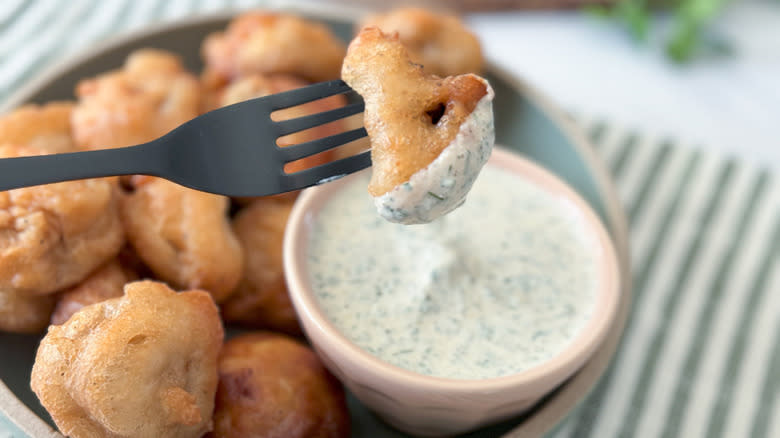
<point>546,415</point>
<point>557,368</point>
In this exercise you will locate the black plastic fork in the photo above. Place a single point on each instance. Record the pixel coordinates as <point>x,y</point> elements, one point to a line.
<point>229,151</point>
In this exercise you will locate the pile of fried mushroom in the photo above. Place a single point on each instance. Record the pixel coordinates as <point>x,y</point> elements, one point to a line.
<point>136,277</point>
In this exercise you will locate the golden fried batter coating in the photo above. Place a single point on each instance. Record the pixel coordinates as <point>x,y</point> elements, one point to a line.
<point>44,128</point>
<point>143,365</point>
<point>106,282</point>
<point>270,43</point>
<point>151,95</point>
<point>23,313</point>
<point>261,298</point>
<point>272,386</point>
<point>53,236</point>
<point>440,42</point>
<point>410,116</point>
<point>183,235</point>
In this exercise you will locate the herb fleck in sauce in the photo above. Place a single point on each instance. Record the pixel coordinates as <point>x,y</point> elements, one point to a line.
<point>493,288</point>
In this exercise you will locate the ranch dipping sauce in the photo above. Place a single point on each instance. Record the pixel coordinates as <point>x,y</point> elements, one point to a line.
<point>499,285</point>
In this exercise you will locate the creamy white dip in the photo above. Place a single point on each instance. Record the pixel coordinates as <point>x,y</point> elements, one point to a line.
<point>442,186</point>
<point>501,284</point>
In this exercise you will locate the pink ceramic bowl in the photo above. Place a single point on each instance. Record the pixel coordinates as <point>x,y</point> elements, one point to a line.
<point>432,406</point>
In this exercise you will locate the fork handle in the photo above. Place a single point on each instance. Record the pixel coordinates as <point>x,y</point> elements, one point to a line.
<point>46,169</point>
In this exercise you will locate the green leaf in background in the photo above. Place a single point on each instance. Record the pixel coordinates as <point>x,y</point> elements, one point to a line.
<point>690,20</point>
<point>631,13</point>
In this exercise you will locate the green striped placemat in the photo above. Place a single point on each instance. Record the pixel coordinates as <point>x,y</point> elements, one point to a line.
<point>701,353</point>
<point>700,356</point>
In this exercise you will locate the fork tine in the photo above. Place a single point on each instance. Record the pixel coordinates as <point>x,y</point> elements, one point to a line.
<point>298,151</point>
<point>309,93</point>
<point>329,171</point>
<point>286,127</point>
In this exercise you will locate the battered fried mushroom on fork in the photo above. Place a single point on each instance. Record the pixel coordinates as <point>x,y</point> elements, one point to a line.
<point>430,136</point>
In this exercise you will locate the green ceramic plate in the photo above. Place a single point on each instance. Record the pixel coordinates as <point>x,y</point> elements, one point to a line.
<point>525,122</point>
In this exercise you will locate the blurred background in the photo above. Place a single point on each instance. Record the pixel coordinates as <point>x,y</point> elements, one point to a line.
<point>706,72</point>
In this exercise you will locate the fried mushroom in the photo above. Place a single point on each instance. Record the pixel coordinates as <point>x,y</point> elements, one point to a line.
<point>440,42</point>
<point>143,365</point>
<point>106,282</point>
<point>261,299</point>
<point>272,386</point>
<point>429,136</point>
<point>273,43</point>
<point>151,95</point>
<point>44,128</point>
<point>183,235</point>
<point>52,236</point>
<point>23,313</point>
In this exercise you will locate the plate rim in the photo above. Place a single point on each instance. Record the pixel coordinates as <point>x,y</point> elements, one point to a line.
<point>571,393</point>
